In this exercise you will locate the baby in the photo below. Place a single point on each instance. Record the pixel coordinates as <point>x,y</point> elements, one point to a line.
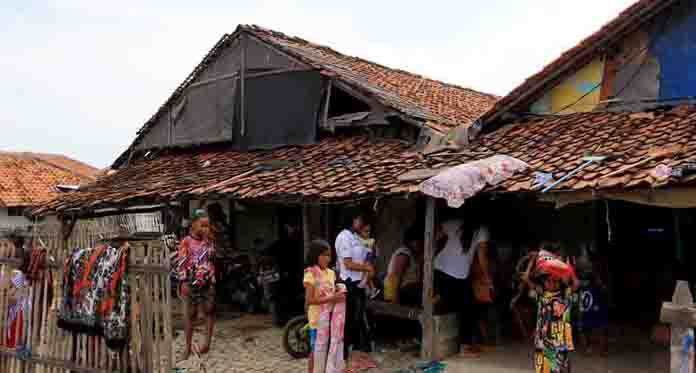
<point>368,282</point>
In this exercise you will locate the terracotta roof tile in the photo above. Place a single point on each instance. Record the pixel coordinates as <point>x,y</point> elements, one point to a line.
<point>28,179</point>
<point>373,167</point>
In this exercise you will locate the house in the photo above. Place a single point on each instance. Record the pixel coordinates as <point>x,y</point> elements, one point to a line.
<point>609,132</point>
<point>30,179</point>
<point>268,123</point>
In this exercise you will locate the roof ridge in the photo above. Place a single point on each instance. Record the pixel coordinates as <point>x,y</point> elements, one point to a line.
<point>254,27</point>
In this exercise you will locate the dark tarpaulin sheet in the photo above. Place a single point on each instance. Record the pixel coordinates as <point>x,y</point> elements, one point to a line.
<point>281,109</point>
<point>207,113</point>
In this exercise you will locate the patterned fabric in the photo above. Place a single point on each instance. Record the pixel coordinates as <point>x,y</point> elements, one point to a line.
<point>95,294</point>
<point>327,280</point>
<point>551,362</point>
<point>193,263</point>
<point>554,333</point>
<point>16,312</point>
<point>328,344</point>
<point>459,183</point>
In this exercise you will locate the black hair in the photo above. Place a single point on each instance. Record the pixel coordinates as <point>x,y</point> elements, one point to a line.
<point>355,214</point>
<point>413,233</point>
<point>314,251</point>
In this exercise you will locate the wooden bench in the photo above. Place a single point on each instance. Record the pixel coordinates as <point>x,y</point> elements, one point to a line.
<point>394,310</point>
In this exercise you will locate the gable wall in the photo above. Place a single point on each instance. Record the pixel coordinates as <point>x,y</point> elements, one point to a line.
<point>653,63</point>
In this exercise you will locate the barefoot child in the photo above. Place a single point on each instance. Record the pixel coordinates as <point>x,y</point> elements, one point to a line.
<point>196,275</point>
<point>321,296</point>
<point>368,283</point>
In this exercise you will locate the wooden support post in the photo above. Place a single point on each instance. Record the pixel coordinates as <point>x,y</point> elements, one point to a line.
<point>306,239</point>
<point>325,115</point>
<point>242,78</point>
<point>427,320</point>
<point>681,314</point>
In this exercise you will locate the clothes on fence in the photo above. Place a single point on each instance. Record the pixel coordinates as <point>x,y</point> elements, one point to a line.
<point>554,332</point>
<point>95,294</point>
<point>17,311</point>
<point>38,271</point>
<point>327,322</point>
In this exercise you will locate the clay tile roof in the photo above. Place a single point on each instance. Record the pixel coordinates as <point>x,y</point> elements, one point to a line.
<point>628,20</point>
<point>355,167</point>
<point>412,94</point>
<point>441,106</point>
<point>28,179</point>
<point>557,145</point>
<point>335,167</point>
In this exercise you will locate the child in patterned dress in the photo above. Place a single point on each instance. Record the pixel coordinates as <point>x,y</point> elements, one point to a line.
<point>318,291</point>
<point>196,274</point>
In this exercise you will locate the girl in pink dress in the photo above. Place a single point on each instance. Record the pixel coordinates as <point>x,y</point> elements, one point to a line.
<point>325,303</point>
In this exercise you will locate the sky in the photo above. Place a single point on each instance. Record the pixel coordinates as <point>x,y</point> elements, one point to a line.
<point>80,77</point>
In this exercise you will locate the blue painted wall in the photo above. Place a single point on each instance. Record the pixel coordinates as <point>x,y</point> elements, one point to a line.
<point>675,49</point>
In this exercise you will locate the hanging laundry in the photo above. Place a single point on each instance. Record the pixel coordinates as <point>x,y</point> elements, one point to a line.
<point>95,294</point>
<point>38,271</point>
<point>17,311</point>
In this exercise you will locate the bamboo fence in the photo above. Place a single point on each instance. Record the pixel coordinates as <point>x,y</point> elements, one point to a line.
<point>49,349</point>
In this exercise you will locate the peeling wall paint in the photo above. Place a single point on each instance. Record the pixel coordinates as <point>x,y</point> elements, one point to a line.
<point>567,96</point>
<point>675,48</point>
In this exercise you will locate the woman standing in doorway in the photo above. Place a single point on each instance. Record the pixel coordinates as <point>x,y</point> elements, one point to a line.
<point>452,281</point>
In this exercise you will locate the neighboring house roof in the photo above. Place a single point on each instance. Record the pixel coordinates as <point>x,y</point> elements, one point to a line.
<point>557,145</point>
<point>28,179</point>
<point>439,105</point>
<point>354,167</point>
<point>627,21</point>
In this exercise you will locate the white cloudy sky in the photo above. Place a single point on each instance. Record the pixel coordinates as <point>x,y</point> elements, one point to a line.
<point>79,77</point>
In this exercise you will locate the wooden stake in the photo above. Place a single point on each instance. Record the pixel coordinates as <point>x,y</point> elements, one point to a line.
<point>427,321</point>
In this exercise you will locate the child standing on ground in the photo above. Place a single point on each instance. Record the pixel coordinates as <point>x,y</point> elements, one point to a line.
<point>196,275</point>
<point>320,290</point>
<point>368,283</point>
<point>555,286</point>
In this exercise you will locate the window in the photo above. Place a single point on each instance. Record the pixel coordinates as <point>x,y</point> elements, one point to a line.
<point>15,211</point>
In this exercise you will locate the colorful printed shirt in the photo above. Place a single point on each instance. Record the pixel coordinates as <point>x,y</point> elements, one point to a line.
<point>327,283</point>
<point>194,262</point>
<point>554,331</point>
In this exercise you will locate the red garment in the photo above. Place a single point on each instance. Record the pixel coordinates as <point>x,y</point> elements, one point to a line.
<point>551,264</point>
<point>15,332</point>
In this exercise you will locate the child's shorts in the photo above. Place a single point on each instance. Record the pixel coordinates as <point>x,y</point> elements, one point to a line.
<point>312,338</point>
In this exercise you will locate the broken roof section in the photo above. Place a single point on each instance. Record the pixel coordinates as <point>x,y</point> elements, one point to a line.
<point>417,99</point>
<point>573,59</point>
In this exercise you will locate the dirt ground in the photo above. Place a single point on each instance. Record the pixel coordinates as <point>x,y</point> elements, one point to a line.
<point>246,343</point>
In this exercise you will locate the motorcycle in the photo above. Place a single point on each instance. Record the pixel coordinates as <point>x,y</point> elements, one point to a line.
<point>238,282</point>
<point>296,337</point>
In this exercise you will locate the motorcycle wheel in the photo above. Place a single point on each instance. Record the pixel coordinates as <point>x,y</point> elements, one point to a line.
<point>295,342</point>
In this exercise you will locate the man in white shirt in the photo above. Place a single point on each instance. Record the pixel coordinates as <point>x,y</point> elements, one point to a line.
<point>350,257</point>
